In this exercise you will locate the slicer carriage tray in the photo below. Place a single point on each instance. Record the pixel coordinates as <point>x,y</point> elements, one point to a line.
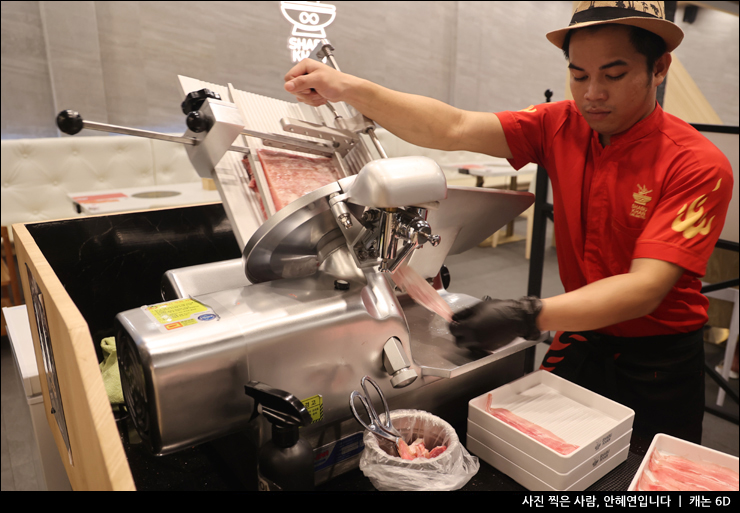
<point>573,413</point>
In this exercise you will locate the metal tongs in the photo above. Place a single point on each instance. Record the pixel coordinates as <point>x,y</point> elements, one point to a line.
<point>381,429</point>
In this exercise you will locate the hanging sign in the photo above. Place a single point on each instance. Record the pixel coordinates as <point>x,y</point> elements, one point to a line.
<point>309,20</point>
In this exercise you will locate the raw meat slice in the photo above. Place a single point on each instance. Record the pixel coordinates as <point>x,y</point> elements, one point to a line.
<point>437,451</point>
<point>677,473</point>
<point>646,484</point>
<point>530,429</point>
<point>404,451</point>
<point>718,473</point>
<point>291,176</point>
<point>417,450</point>
<point>420,291</point>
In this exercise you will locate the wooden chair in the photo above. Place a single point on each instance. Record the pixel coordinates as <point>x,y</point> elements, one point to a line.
<point>11,292</point>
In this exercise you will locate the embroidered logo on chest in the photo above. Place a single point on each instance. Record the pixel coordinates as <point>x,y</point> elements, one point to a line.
<point>639,208</point>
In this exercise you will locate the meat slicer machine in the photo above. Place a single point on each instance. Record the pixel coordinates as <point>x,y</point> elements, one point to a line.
<point>311,307</point>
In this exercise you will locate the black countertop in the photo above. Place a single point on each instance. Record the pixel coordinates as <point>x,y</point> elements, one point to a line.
<point>228,464</point>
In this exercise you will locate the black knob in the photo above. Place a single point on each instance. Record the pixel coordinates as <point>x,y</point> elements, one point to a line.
<point>195,99</point>
<point>548,95</point>
<point>69,122</point>
<point>341,284</point>
<point>444,274</point>
<point>197,122</point>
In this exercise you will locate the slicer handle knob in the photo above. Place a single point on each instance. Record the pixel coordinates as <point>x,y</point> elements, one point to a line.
<point>444,274</point>
<point>69,122</point>
<point>195,99</point>
<point>197,122</point>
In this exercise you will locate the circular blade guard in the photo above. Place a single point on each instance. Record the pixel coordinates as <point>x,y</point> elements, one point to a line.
<point>294,242</point>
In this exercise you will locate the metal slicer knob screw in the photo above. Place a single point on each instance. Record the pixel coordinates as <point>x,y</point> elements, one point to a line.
<point>195,99</point>
<point>370,216</point>
<point>341,285</point>
<point>345,220</point>
<point>403,378</point>
<point>197,122</point>
<point>397,364</point>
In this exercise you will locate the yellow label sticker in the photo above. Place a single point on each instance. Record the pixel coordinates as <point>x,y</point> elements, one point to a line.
<point>180,313</point>
<point>315,407</point>
<point>175,311</point>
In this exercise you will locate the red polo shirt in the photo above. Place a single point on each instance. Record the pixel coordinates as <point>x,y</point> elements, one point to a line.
<point>659,190</point>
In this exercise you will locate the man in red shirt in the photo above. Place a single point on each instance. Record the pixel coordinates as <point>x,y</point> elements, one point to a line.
<point>640,198</point>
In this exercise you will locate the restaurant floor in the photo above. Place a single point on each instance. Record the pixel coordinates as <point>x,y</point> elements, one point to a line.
<point>498,272</point>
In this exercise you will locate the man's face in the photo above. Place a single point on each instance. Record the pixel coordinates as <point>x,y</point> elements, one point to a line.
<point>609,80</point>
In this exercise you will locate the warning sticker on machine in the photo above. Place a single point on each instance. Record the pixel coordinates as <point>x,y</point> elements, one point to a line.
<point>315,406</point>
<point>180,313</point>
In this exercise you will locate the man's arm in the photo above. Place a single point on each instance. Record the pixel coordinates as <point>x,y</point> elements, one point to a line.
<point>416,119</point>
<point>611,300</point>
<point>489,325</point>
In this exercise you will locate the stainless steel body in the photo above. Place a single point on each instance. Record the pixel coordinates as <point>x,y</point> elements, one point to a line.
<point>295,329</point>
<point>203,279</point>
<point>303,335</point>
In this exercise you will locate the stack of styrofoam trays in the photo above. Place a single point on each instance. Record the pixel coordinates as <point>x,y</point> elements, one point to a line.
<point>671,446</point>
<point>600,427</point>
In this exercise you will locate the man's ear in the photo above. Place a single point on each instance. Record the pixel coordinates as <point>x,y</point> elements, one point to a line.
<point>660,70</point>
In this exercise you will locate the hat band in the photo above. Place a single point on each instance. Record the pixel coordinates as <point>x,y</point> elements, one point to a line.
<point>608,13</point>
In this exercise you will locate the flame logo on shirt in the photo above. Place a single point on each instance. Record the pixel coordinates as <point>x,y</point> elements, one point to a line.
<point>691,219</point>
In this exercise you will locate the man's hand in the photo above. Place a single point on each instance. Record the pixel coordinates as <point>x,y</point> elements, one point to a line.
<point>492,324</point>
<point>315,83</point>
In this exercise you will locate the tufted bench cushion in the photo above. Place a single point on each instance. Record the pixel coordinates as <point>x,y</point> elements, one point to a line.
<point>37,174</point>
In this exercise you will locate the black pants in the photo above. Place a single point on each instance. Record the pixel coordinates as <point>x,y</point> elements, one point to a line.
<point>661,378</point>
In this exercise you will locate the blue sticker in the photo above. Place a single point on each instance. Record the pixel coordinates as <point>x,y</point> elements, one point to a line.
<point>206,317</point>
<point>334,453</point>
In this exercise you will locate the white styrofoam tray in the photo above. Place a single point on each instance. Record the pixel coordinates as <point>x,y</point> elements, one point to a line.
<point>571,412</point>
<point>671,445</point>
<point>535,484</point>
<point>557,480</point>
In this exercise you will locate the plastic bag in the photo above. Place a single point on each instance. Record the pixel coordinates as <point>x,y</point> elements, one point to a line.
<point>451,470</point>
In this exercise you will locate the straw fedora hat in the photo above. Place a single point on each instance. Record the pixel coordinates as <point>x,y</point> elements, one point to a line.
<point>646,15</point>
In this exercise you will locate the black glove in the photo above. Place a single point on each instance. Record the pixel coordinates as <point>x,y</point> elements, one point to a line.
<point>491,324</point>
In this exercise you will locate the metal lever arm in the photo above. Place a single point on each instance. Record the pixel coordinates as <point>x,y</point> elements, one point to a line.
<point>291,143</point>
<point>70,122</point>
<point>325,50</point>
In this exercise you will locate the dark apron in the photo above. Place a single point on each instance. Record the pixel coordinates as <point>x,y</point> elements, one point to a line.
<point>661,378</point>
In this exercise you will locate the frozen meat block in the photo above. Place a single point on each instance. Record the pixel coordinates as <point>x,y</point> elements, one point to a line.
<point>291,176</point>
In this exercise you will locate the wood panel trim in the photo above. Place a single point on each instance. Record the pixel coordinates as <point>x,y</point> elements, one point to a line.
<point>99,459</point>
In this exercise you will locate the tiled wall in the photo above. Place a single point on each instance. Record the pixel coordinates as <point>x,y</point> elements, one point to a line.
<point>117,62</point>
